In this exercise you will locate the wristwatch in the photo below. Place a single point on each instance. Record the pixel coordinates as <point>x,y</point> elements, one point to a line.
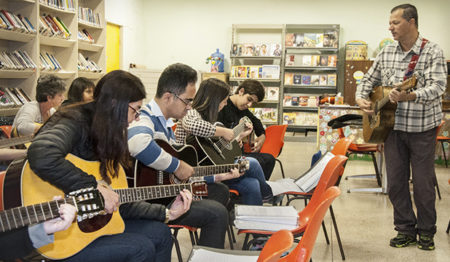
<point>167,216</point>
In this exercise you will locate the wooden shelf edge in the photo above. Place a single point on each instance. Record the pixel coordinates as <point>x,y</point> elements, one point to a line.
<point>17,36</point>
<point>55,9</point>
<point>53,41</point>
<point>89,25</point>
<point>61,74</point>
<point>89,47</point>
<point>90,75</point>
<point>16,73</point>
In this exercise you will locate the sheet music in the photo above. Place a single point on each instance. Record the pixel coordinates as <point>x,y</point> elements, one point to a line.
<point>310,179</point>
<point>206,255</point>
<point>283,185</point>
<point>241,224</point>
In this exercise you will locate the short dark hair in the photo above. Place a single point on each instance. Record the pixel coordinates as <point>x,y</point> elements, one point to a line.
<point>409,11</point>
<point>210,94</point>
<point>175,78</point>
<point>49,85</point>
<point>252,87</point>
<point>77,88</point>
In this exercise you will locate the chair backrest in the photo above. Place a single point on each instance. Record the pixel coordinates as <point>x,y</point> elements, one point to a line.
<point>278,243</point>
<point>6,130</point>
<point>2,180</point>
<point>328,179</point>
<point>341,147</point>
<point>303,251</point>
<point>274,140</point>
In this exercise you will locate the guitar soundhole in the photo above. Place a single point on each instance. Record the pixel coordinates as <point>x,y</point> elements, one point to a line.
<point>95,223</point>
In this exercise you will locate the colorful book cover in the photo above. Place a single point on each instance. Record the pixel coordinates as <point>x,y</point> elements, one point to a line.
<point>289,39</point>
<point>312,101</point>
<point>323,60</point>
<point>264,50</point>
<point>330,39</point>
<point>310,40</point>
<point>248,50</point>
<point>323,80</point>
<point>275,50</point>
<point>235,50</point>
<point>299,40</point>
<point>295,101</point>
<point>287,100</point>
<point>315,80</point>
<point>303,100</point>
<point>332,79</point>
<point>319,40</point>
<point>289,118</point>
<point>288,78</point>
<point>242,72</point>
<point>297,79</point>
<point>306,79</point>
<point>332,59</point>
<point>315,60</point>
<point>290,60</point>
<point>254,72</point>
<point>269,115</point>
<point>271,71</point>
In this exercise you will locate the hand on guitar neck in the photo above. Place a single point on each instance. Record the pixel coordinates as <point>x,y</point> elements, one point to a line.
<point>66,216</point>
<point>110,197</point>
<point>234,173</point>
<point>184,171</point>
<point>396,96</point>
<point>181,205</point>
<point>365,105</point>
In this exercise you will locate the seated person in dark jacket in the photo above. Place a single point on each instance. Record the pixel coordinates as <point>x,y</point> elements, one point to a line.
<point>248,93</point>
<point>97,131</point>
<point>81,90</point>
<point>20,242</point>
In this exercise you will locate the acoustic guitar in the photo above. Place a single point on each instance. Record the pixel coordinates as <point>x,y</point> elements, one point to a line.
<point>88,202</point>
<point>15,141</point>
<point>216,151</point>
<point>23,187</point>
<point>376,127</point>
<point>147,176</point>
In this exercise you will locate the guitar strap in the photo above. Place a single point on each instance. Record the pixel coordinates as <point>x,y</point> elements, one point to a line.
<point>413,62</point>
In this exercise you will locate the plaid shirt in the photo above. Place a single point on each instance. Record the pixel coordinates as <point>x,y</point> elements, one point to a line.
<point>194,124</point>
<point>390,66</point>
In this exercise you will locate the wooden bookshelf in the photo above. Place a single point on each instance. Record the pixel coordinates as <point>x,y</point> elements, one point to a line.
<point>65,50</point>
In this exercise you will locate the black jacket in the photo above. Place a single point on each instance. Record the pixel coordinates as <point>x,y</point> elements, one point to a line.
<point>14,244</point>
<point>63,135</point>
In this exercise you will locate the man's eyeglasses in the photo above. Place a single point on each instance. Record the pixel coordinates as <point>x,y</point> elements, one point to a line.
<point>186,101</point>
<point>137,113</point>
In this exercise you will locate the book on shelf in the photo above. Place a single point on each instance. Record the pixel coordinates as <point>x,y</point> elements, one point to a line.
<point>323,80</point>
<point>288,78</point>
<point>314,80</point>
<point>87,15</point>
<point>271,71</point>
<point>300,118</point>
<point>85,64</point>
<point>13,97</point>
<point>272,93</point>
<point>319,40</point>
<point>254,72</point>
<point>330,39</point>
<point>290,60</point>
<point>331,79</point>
<point>306,182</point>
<point>272,218</point>
<point>19,96</point>
<point>248,50</point>
<point>67,5</point>
<point>236,50</point>
<point>287,101</point>
<point>5,98</point>
<point>11,21</point>
<point>306,79</point>
<point>310,40</point>
<point>289,39</point>
<point>297,79</point>
<point>323,60</point>
<point>265,114</point>
<point>289,118</point>
<point>264,50</point>
<point>18,59</point>
<point>53,26</point>
<point>315,60</point>
<point>332,59</point>
<point>306,60</point>
<point>294,101</point>
<point>299,40</point>
<point>275,50</point>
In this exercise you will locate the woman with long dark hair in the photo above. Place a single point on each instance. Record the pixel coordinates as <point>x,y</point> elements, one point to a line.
<point>98,131</point>
<point>200,121</point>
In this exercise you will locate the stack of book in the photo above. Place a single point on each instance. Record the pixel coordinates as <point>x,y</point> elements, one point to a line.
<point>53,26</point>
<point>11,97</point>
<point>49,62</point>
<point>86,15</point>
<point>16,60</point>
<point>84,64</point>
<point>14,22</point>
<point>270,218</point>
<point>85,36</point>
<point>59,4</point>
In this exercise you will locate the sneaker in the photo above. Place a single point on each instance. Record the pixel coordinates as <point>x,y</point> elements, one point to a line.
<point>403,240</point>
<point>425,242</point>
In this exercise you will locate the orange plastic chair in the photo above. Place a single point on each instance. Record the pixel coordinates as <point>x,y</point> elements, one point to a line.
<point>274,142</point>
<point>6,130</point>
<point>192,233</point>
<point>280,242</point>
<point>366,149</point>
<point>329,178</point>
<point>448,227</point>
<point>442,140</point>
<point>303,251</point>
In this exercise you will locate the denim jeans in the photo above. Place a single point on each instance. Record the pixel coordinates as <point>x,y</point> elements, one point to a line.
<point>143,240</point>
<point>211,217</point>
<point>267,162</point>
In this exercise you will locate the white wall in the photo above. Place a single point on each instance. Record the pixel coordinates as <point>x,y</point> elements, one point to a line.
<point>164,32</point>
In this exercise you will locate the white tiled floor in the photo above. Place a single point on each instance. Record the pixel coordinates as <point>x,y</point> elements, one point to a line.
<point>364,219</point>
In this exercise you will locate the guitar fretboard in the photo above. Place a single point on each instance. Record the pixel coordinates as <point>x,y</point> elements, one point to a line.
<point>23,216</point>
<point>150,192</point>
<point>236,131</point>
<point>218,169</point>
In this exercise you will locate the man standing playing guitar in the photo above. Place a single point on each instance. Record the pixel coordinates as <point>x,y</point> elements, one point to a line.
<point>412,141</point>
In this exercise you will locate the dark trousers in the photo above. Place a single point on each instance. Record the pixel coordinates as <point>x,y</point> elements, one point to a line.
<point>211,217</point>
<point>219,192</point>
<point>267,162</point>
<point>415,151</point>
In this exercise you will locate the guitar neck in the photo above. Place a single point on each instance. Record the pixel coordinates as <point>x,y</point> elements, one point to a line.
<point>217,169</point>
<point>15,141</point>
<point>150,192</point>
<point>23,216</point>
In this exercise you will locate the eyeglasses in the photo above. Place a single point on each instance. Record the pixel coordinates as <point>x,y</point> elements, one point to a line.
<point>137,113</point>
<point>186,101</point>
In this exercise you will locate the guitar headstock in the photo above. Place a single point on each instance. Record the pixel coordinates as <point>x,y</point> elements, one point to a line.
<point>245,120</point>
<point>199,189</point>
<point>243,164</point>
<point>89,203</point>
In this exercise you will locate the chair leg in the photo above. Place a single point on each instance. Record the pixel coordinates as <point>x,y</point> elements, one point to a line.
<point>232,233</point>
<point>333,218</point>
<point>230,238</point>
<point>281,166</point>
<point>448,227</point>
<point>325,232</point>
<point>437,188</point>
<point>377,172</point>
<point>245,245</point>
<point>443,152</point>
<point>191,235</point>
<point>177,244</point>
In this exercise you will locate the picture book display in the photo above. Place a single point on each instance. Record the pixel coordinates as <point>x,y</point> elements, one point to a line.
<point>256,72</point>
<point>300,118</point>
<point>267,115</point>
<point>261,49</point>
<point>312,40</point>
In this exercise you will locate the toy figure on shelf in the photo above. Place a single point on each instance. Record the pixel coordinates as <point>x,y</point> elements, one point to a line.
<point>216,60</point>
